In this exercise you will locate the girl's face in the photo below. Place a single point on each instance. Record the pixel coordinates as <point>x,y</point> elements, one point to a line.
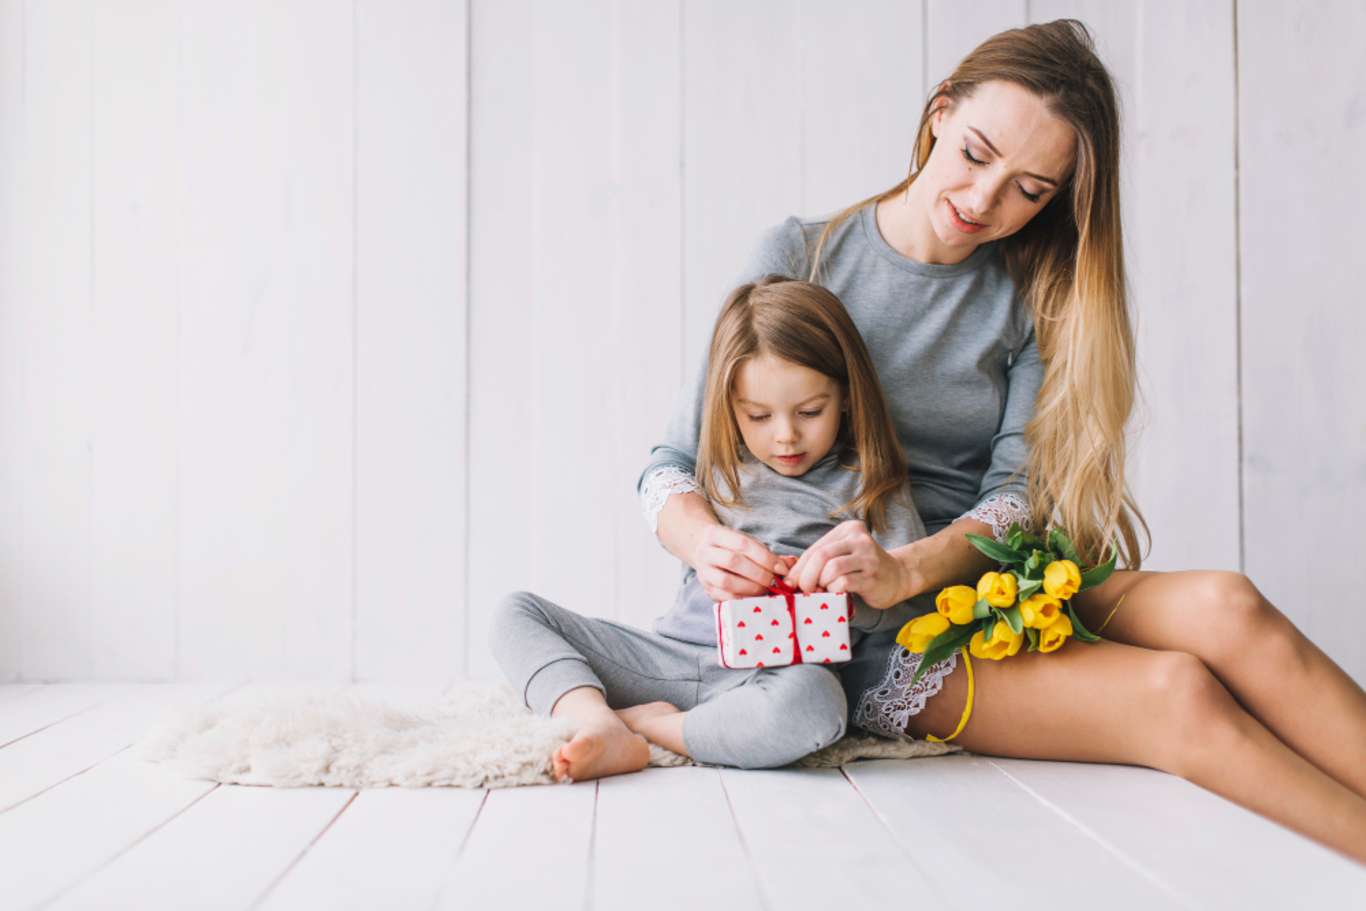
<point>789,415</point>
<point>999,157</point>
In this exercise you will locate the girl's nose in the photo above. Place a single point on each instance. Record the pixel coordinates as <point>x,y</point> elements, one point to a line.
<point>785,432</point>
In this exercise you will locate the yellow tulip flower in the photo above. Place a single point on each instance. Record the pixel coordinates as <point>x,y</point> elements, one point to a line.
<point>1053,636</point>
<point>998,588</point>
<point>1040,609</point>
<point>1003,642</point>
<point>918,633</point>
<point>1061,579</point>
<point>956,603</point>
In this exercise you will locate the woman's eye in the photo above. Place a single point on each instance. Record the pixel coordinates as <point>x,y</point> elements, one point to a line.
<point>1032,197</point>
<point>968,156</point>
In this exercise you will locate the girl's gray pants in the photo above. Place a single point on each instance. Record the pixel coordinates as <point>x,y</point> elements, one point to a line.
<point>741,717</point>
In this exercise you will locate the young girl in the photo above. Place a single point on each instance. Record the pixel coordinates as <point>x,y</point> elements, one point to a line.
<point>795,436</point>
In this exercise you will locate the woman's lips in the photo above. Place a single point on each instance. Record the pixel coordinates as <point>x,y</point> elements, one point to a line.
<point>967,227</point>
<point>791,459</point>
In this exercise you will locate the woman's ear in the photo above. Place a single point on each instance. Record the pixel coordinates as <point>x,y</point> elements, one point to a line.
<point>938,108</point>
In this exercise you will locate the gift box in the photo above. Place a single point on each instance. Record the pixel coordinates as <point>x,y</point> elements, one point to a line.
<point>783,628</point>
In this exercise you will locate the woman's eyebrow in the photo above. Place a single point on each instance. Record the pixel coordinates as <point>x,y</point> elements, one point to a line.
<point>997,152</point>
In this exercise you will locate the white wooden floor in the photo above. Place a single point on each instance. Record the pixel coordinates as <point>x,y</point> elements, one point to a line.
<point>86,824</point>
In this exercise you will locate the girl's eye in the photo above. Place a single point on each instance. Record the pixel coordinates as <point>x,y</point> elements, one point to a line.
<point>1032,197</point>
<point>968,156</point>
<point>758,418</point>
<point>811,414</point>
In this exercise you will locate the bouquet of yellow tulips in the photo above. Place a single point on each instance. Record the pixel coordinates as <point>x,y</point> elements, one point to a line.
<point>1028,597</point>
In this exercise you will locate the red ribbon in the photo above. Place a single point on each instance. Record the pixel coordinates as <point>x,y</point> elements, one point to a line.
<point>780,587</point>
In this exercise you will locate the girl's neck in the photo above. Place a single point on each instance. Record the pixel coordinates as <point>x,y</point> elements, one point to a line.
<point>903,221</point>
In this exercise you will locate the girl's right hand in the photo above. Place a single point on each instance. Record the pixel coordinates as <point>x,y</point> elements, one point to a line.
<point>730,564</point>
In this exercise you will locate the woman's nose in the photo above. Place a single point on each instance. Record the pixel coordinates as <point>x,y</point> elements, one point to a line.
<point>982,195</point>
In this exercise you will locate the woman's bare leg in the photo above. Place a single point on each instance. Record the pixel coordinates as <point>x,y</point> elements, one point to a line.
<point>1107,702</point>
<point>1270,667</point>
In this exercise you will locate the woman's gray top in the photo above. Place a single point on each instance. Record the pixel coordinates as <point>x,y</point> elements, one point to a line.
<point>952,345</point>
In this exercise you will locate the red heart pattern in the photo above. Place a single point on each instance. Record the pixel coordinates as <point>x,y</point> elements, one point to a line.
<point>831,645</point>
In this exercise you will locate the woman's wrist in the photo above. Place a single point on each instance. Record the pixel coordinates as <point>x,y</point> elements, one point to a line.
<point>943,558</point>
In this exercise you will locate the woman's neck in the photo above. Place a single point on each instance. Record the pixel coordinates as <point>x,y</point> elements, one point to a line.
<point>904,224</point>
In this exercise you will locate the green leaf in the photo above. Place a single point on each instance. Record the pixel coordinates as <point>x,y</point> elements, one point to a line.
<point>1058,539</point>
<point>980,609</point>
<point>1033,635</point>
<point>1033,567</point>
<point>1098,574</point>
<point>1028,588</point>
<point>995,549</point>
<point>1011,615</point>
<point>941,646</point>
<point>988,628</point>
<point>1078,630</point>
<point>1015,537</point>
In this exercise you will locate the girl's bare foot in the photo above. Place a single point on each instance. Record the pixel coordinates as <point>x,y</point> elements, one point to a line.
<point>602,746</point>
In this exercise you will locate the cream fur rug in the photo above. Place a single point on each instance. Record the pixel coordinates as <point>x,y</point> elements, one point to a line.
<point>478,737</point>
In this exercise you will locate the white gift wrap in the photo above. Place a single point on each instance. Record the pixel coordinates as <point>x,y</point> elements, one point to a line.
<point>758,632</point>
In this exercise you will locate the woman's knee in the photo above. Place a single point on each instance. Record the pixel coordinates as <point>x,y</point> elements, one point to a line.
<point>1239,624</point>
<point>808,710</point>
<point>1190,711</point>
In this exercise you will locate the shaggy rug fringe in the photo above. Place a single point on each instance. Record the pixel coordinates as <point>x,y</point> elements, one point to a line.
<point>477,737</point>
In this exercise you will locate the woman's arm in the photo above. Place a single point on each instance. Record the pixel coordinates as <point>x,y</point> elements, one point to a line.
<point>848,559</point>
<point>729,564</point>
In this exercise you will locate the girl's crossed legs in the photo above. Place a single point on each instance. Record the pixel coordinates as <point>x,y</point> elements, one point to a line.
<point>1199,673</point>
<point>565,664</point>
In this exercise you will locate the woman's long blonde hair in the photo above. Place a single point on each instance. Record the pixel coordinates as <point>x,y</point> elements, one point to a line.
<point>1068,263</point>
<point>806,324</point>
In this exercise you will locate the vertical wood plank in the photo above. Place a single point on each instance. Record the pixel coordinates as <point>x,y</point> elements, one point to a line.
<point>502,488</point>
<point>11,335</point>
<point>861,91</point>
<point>952,29</point>
<point>57,341</point>
<point>135,125</point>
<point>647,304</point>
<point>411,351</point>
<point>742,135</point>
<point>266,371</point>
<point>1302,126</point>
<point>1182,205</point>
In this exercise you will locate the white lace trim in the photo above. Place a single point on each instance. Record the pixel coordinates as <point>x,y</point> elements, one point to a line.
<point>1000,512</point>
<point>657,487</point>
<point>887,708</point>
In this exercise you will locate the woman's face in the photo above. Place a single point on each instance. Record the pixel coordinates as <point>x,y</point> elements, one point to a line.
<point>999,157</point>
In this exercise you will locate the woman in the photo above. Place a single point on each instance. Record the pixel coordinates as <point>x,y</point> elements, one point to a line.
<point>990,286</point>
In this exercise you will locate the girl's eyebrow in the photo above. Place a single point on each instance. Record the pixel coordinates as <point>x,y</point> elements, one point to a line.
<point>815,398</point>
<point>997,152</point>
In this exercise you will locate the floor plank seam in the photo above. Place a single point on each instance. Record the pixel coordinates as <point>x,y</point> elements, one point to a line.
<point>130,846</point>
<point>887,827</point>
<point>300,856</point>
<point>744,846</point>
<point>460,852</point>
<point>1185,900</point>
<point>53,724</point>
<point>71,777</point>
<point>592,848</point>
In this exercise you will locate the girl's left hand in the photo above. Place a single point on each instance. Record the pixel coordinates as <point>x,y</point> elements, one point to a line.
<point>847,559</point>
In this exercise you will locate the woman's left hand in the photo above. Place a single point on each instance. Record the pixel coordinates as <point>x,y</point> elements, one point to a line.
<point>847,559</point>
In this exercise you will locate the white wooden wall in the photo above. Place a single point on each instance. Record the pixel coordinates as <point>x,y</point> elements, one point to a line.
<point>323,325</point>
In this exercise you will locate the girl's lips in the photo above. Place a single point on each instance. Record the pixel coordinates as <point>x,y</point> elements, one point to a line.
<point>967,227</point>
<point>791,459</point>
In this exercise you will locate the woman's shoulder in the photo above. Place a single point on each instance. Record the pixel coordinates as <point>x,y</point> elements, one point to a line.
<point>785,248</point>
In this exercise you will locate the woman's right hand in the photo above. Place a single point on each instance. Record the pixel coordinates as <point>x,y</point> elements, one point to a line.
<point>731,564</point>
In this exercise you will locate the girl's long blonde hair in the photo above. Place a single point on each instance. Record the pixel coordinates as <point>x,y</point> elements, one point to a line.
<point>1068,263</point>
<point>806,324</point>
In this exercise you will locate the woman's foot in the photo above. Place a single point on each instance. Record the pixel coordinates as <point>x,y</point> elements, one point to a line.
<point>602,746</point>
<point>657,722</point>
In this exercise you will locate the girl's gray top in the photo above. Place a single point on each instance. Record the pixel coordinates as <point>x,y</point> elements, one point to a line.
<point>953,346</point>
<point>789,514</point>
